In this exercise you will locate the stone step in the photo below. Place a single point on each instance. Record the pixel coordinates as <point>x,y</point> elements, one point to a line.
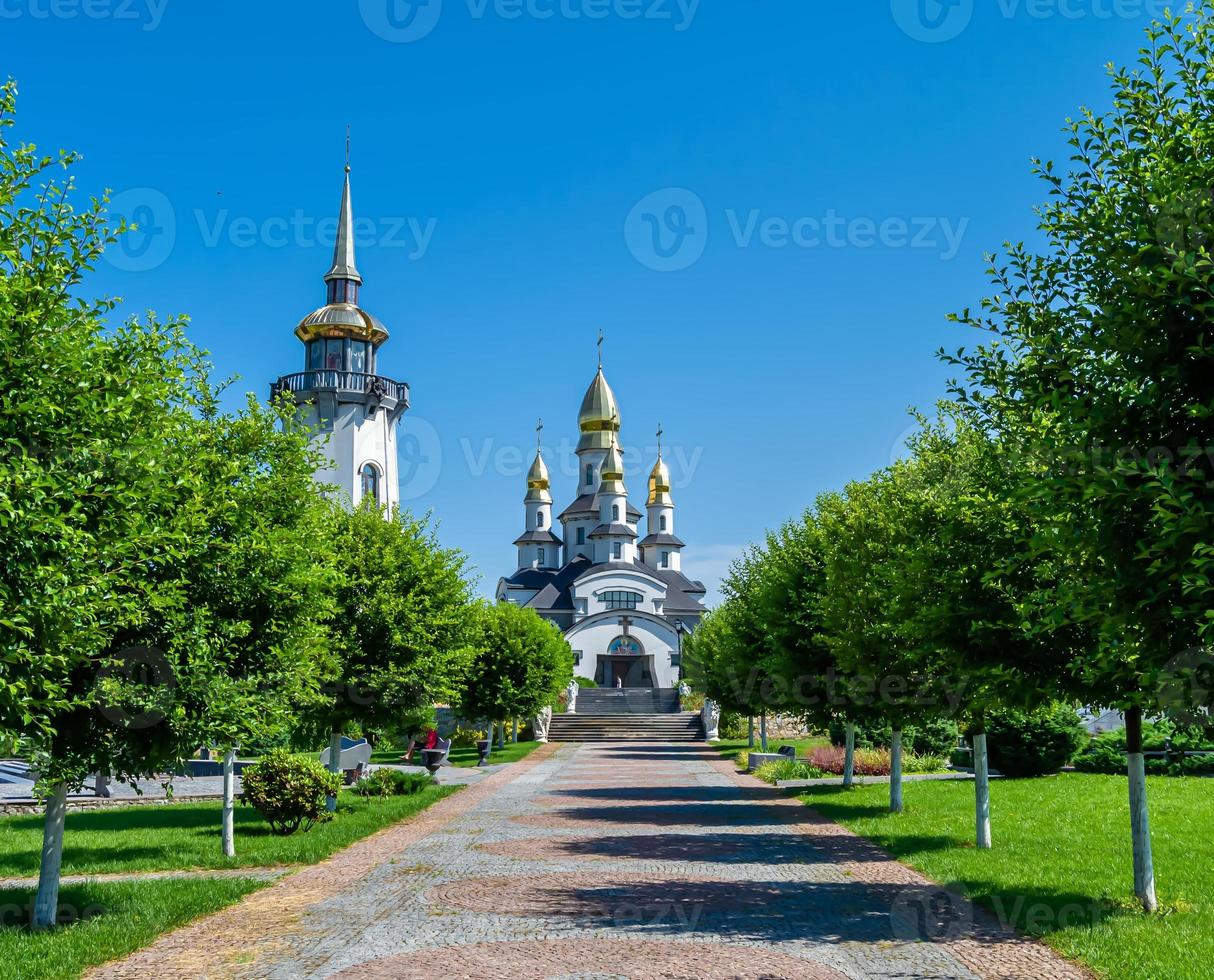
<point>627,700</point>
<point>681,727</point>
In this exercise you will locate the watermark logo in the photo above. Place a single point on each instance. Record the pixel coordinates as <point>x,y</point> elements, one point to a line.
<point>147,13</point>
<point>930,914</point>
<point>932,21</point>
<point>667,231</point>
<point>419,455</point>
<point>151,232</point>
<point>401,21</point>
<point>1186,686</point>
<point>134,690</point>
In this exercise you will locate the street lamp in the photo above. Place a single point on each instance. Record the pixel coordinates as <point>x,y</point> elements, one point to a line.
<point>679,629</point>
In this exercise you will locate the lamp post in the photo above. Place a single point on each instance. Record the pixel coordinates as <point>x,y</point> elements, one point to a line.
<point>679,629</point>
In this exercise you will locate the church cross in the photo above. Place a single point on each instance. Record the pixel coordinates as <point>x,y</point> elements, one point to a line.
<point>659,438</point>
<point>539,433</point>
<point>625,622</point>
<point>600,346</point>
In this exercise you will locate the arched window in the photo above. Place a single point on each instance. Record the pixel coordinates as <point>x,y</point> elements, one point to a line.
<point>625,646</point>
<point>615,512</point>
<point>589,474</point>
<point>662,522</point>
<point>370,481</point>
<point>620,599</point>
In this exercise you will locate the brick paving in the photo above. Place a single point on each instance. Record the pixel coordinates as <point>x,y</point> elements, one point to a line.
<point>604,861</point>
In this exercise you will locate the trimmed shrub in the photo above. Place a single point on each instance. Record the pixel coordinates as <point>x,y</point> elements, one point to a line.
<point>936,736</point>
<point>393,782</point>
<point>289,791</point>
<point>732,725</point>
<point>916,763</point>
<point>466,738</point>
<point>868,762</point>
<point>585,681</point>
<point>1033,743</point>
<point>1105,753</point>
<point>770,772</point>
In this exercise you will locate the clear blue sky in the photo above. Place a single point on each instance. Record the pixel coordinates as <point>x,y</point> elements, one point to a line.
<point>730,190</point>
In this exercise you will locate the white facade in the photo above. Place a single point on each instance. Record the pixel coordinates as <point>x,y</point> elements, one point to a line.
<point>622,601</point>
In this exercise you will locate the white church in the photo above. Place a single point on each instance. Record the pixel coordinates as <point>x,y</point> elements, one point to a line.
<point>622,603</point>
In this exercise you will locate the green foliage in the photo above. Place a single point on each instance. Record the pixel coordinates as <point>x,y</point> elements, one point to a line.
<point>1106,752</point>
<point>934,736</point>
<point>289,791</point>
<point>771,772</point>
<point>466,738</point>
<point>915,763</point>
<point>733,724</point>
<point>585,681</point>
<point>393,782</point>
<point>1036,743</point>
<point>522,664</point>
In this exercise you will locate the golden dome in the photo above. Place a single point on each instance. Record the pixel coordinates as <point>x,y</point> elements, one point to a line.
<point>599,416</point>
<point>538,482</point>
<point>659,483</point>
<point>611,476</point>
<point>341,320</point>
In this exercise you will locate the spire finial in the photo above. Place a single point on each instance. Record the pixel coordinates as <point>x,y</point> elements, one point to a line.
<point>659,440</point>
<point>600,346</point>
<point>347,147</point>
<point>539,435</point>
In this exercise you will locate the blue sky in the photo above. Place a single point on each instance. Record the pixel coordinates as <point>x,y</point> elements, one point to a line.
<point>768,207</point>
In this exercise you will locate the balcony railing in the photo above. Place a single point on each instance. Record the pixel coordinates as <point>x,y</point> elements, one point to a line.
<point>344,381</point>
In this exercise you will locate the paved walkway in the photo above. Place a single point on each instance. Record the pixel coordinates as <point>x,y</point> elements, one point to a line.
<point>603,861</point>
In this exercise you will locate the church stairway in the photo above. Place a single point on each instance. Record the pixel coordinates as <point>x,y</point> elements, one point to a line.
<point>627,714</point>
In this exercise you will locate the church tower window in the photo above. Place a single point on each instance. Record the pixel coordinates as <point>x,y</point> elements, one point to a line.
<point>581,535</point>
<point>617,550</point>
<point>370,482</point>
<point>615,512</point>
<point>662,522</point>
<point>539,519</point>
<point>665,559</point>
<point>541,561</point>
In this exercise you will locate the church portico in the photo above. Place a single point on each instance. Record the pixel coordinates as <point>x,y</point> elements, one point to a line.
<point>622,601</point>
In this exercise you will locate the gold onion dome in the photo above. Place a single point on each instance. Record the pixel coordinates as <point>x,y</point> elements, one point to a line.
<point>599,417</point>
<point>341,320</point>
<point>538,482</point>
<point>659,483</point>
<point>611,476</point>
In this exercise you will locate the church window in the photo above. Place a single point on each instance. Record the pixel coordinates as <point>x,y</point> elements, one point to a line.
<point>358,357</point>
<point>577,657</point>
<point>541,556</point>
<point>370,482</point>
<point>615,512</point>
<point>617,550</point>
<point>581,535</point>
<point>333,355</point>
<point>539,519</point>
<point>589,474</point>
<point>316,355</point>
<point>624,646</point>
<point>665,559</point>
<point>620,599</point>
<point>662,522</point>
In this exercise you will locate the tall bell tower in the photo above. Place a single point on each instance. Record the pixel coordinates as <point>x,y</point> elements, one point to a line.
<point>354,408</point>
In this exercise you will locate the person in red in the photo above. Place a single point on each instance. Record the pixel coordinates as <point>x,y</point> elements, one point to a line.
<point>431,742</point>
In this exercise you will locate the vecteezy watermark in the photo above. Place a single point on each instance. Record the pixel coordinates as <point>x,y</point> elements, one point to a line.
<point>14,916</point>
<point>931,913</point>
<point>135,689</point>
<point>1186,686</point>
<point>152,231</point>
<point>937,21</point>
<point>419,457</point>
<point>667,230</point>
<point>404,21</point>
<point>512,460</point>
<point>146,13</point>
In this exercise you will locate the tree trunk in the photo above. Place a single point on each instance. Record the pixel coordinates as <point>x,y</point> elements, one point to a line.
<point>334,766</point>
<point>849,755</point>
<point>489,734</point>
<point>228,831</point>
<point>501,735</point>
<point>1140,828</point>
<point>763,732</point>
<point>895,771</point>
<point>46,904</point>
<point>514,731</point>
<point>982,793</point>
<point>750,724</point>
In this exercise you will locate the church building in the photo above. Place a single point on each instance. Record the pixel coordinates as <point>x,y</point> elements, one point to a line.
<point>624,604</point>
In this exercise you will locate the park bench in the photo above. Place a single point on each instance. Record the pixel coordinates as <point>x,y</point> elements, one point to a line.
<point>354,761</point>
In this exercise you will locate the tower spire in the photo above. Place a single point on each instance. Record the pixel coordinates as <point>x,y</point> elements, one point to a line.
<point>343,277</point>
<point>659,440</point>
<point>539,436</point>
<point>600,347</point>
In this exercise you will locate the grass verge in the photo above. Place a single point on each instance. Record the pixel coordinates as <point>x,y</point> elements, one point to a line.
<point>730,748</point>
<point>462,756</point>
<point>1061,868</point>
<point>178,836</point>
<point>112,920</point>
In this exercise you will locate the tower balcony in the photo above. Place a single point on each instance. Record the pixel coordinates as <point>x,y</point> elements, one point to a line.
<point>346,386</point>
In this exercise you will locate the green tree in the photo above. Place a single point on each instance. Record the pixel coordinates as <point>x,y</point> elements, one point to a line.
<point>522,664</point>
<point>401,633</point>
<point>1099,367</point>
<point>95,499</point>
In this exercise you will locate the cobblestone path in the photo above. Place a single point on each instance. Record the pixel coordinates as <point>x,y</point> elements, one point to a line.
<point>603,861</point>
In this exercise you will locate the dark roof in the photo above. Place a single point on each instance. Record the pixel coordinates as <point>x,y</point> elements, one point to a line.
<point>540,535</point>
<point>551,584</point>
<point>681,592</point>
<point>589,503</point>
<point>613,530</point>
<point>663,538</point>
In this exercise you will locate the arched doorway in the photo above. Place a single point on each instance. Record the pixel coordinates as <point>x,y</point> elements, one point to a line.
<point>625,664</point>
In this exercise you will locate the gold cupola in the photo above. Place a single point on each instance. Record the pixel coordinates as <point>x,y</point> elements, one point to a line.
<point>599,418</point>
<point>611,476</point>
<point>659,484</point>
<point>538,485</point>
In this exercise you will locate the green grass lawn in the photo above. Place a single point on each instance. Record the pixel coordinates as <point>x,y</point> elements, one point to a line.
<point>1060,867</point>
<point>461,756</point>
<point>731,747</point>
<point>186,835</point>
<point>115,918</point>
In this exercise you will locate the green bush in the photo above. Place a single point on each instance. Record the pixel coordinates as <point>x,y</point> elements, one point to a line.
<point>289,791</point>
<point>466,738</point>
<point>1106,752</point>
<point>771,772</point>
<point>393,782</point>
<point>936,736</point>
<point>1033,743</point>
<point>585,681</point>
<point>732,725</point>
<point>914,763</point>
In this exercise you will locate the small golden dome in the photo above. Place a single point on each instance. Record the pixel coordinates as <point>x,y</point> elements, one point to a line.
<point>611,476</point>
<point>599,416</point>
<point>538,482</point>
<point>341,320</point>
<point>659,483</point>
